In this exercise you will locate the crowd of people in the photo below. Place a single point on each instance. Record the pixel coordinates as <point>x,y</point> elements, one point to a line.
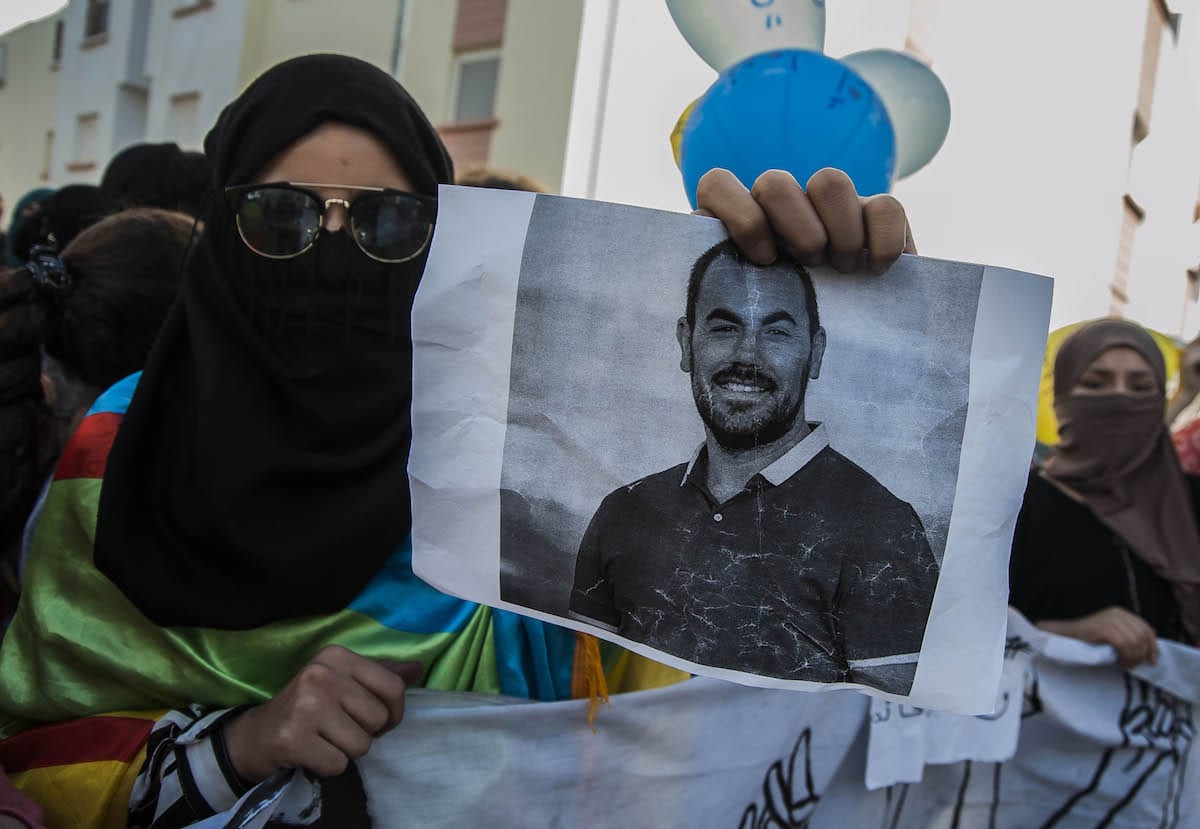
<point>208,355</point>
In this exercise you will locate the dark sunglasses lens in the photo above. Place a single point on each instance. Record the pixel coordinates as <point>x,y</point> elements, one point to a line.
<point>391,227</point>
<point>277,222</point>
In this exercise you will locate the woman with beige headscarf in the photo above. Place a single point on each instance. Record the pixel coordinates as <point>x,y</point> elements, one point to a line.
<point>1107,548</point>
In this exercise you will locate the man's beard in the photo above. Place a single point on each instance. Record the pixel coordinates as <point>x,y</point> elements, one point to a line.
<point>739,427</point>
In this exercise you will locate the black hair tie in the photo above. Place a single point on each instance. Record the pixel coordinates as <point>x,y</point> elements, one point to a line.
<point>49,271</point>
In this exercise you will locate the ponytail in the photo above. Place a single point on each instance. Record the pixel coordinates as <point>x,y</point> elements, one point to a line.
<point>28,442</point>
<point>89,318</point>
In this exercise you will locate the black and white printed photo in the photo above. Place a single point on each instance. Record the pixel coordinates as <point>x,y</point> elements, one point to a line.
<point>757,472</point>
<point>758,542</point>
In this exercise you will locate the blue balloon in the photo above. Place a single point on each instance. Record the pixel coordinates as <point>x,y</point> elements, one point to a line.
<point>793,110</point>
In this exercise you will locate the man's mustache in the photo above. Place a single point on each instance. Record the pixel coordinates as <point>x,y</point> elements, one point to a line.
<point>744,375</point>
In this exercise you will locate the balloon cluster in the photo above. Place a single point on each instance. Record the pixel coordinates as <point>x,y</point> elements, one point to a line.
<point>779,103</point>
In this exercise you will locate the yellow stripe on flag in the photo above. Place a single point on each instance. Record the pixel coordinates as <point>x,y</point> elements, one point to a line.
<point>83,795</point>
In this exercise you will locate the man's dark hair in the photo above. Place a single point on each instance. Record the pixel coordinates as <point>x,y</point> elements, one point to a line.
<point>728,250</point>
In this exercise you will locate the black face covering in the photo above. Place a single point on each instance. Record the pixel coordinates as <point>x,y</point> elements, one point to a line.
<point>260,472</point>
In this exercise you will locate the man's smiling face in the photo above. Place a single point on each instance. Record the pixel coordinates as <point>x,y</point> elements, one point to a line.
<point>750,353</point>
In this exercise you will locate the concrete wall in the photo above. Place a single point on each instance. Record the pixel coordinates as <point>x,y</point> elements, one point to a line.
<point>198,53</point>
<point>90,75</point>
<point>26,109</point>
<point>284,29</point>
<point>427,55</point>
<point>533,99</point>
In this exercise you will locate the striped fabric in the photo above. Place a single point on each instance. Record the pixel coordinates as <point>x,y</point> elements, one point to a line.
<point>188,775</point>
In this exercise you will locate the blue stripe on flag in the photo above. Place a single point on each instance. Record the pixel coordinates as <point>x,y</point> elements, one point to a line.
<point>115,400</point>
<point>397,599</point>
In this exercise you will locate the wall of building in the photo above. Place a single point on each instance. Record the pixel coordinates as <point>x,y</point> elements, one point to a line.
<point>533,99</point>
<point>289,28</point>
<point>193,62</point>
<point>27,101</point>
<point>534,84</point>
<point>427,55</point>
<point>1165,179</point>
<point>627,97</point>
<point>102,77</point>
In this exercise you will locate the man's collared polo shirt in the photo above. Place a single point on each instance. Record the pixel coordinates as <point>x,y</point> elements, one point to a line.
<point>811,572</point>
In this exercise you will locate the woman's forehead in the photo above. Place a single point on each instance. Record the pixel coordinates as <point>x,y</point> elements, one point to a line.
<point>1121,358</point>
<point>337,153</point>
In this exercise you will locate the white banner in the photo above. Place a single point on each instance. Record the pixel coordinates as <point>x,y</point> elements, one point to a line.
<point>1075,742</point>
<point>702,753</point>
<point>1098,746</point>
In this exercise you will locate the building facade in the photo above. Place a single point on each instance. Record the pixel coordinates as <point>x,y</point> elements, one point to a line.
<point>495,76</point>
<point>29,75</point>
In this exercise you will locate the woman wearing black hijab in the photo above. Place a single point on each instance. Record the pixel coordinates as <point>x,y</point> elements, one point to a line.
<point>253,519</point>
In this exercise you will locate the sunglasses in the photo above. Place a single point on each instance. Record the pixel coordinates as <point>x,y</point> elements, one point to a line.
<point>282,220</point>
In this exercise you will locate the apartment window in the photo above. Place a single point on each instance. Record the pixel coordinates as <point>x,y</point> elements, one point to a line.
<point>47,154</point>
<point>1133,216</point>
<point>182,118</point>
<point>475,87</point>
<point>87,142</point>
<point>96,22</point>
<point>56,56</point>
<point>479,24</point>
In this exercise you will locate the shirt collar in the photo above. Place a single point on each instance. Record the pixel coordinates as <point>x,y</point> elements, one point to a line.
<point>785,467</point>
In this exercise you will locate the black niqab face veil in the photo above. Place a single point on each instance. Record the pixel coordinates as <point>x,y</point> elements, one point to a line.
<point>260,471</point>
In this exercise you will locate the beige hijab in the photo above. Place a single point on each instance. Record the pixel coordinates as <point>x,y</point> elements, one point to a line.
<point>1116,454</point>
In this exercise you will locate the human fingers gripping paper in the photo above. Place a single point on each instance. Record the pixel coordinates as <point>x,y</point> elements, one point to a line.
<point>757,473</point>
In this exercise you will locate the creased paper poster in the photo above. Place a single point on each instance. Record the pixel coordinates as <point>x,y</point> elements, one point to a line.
<point>781,476</point>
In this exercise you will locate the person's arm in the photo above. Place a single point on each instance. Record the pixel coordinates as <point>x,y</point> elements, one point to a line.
<point>198,763</point>
<point>187,775</point>
<point>1129,634</point>
<point>824,222</point>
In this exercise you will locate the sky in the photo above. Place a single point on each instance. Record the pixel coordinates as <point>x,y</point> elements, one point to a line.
<point>14,13</point>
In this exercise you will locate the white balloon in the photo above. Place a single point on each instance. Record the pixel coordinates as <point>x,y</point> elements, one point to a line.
<point>915,100</point>
<point>724,32</point>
